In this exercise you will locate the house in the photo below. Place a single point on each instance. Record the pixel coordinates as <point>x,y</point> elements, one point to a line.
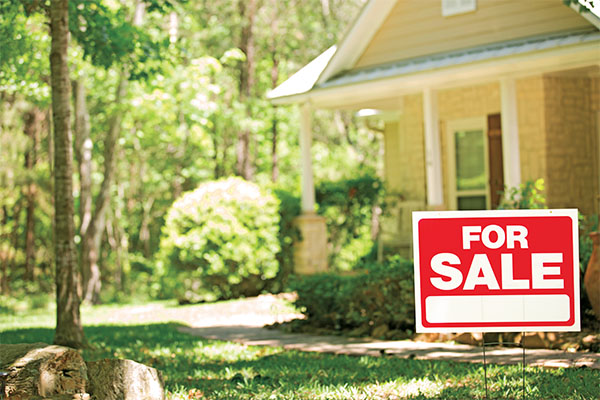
<point>476,95</point>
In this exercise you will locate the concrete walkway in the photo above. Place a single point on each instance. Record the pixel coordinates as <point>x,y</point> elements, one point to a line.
<point>251,334</point>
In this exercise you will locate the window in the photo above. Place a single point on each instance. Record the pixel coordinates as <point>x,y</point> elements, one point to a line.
<point>454,7</point>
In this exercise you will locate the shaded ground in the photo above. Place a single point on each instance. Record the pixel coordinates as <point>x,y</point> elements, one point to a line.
<point>243,321</point>
<point>255,311</point>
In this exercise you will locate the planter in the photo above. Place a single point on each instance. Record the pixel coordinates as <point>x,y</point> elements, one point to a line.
<point>591,280</point>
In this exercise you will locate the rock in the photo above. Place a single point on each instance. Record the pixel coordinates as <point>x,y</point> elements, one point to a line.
<point>432,337</point>
<point>591,343</point>
<point>534,340</point>
<point>473,339</point>
<point>39,370</point>
<point>124,380</point>
<point>379,331</point>
<point>361,331</point>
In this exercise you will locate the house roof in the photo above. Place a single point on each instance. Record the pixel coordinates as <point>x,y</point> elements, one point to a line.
<point>480,53</point>
<point>333,68</point>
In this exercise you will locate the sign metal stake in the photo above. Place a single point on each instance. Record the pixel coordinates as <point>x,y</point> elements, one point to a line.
<point>521,345</point>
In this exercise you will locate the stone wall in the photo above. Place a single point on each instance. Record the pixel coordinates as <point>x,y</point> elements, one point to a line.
<point>404,168</point>
<point>462,103</point>
<point>532,128</point>
<point>558,119</point>
<point>571,119</point>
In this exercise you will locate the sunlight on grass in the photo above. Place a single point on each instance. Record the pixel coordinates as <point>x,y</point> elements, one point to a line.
<point>196,368</point>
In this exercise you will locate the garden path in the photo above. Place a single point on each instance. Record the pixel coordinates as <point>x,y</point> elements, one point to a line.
<point>245,321</point>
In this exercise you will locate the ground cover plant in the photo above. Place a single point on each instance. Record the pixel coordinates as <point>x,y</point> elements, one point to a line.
<point>195,368</point>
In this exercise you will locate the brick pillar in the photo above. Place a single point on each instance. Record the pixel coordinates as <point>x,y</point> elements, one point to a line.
<point>310,252</point>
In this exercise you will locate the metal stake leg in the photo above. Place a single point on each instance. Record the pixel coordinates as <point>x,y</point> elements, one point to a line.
<point>484,367</point>
<point>484,344</point>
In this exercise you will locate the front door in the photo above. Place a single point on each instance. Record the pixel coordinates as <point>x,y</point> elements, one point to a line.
<point>475,163</point>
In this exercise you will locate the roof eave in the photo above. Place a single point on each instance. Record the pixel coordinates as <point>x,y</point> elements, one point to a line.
<point>587,14</point>
<point>540,62</point>
<point>357,38</point>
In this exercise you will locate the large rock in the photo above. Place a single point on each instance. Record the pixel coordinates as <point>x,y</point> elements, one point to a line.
<point>38,370</point>
<point>124,380</point>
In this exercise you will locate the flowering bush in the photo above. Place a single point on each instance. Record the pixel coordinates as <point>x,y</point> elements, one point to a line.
<point>220,241</point>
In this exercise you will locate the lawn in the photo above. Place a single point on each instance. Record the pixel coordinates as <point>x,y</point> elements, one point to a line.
<point>195,368</point>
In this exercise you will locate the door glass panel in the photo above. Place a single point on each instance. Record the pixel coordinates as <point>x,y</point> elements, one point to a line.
<point>470,160</point>
<point>472,203</point>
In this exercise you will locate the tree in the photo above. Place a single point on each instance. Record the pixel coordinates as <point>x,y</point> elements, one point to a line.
<point>69,330</point>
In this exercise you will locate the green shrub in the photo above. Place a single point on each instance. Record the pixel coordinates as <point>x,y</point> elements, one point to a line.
<point>289,208</point>
<point>375,295</point>
<point>220,241</point>
<point>529,195</point>
<point>347,206</point>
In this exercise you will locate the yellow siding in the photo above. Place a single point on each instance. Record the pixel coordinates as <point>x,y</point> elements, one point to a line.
<point>417,28</point>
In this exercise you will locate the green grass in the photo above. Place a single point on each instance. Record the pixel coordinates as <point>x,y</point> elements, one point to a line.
<point>196,368</point>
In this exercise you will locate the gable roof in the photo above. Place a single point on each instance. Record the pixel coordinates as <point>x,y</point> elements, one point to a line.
<point>336,67</point>
<point>357,38</point>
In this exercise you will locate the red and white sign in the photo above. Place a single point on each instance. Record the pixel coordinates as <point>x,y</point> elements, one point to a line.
<point>496,271</point>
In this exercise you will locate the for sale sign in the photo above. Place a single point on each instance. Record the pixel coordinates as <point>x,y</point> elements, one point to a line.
<point>496,271</point>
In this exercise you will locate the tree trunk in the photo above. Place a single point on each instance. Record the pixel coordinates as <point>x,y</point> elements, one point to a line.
<point>33,125</point>
<point>69,330</point>
<point>83,154</point>
<point>274,80</point>
<point>247,9</point>
<point>33,121</point>
<point>92,239</point>
<point>4,251</point>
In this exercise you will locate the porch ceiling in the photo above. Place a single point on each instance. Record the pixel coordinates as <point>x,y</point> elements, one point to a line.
<point>379,87</point>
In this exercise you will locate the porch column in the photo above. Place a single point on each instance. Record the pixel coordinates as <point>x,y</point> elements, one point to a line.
<point>308,185</point>
<point>510,133</point>
<point>433,156</point>
<point>310,252</point>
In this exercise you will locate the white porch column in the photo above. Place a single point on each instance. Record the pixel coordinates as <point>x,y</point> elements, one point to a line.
<point>308,186</point>
<point>310,253</point>
<point>510,133</point>
<point>433,155</point>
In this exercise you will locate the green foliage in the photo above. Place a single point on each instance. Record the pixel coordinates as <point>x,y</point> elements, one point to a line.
<point>374,295</point>
<point>220,241</point>
<point>179,127</point>
<point>107,38</point>
<point>528,195</point>
<point>197,368</point>
<point>348,206</point>
<point>289,208</point>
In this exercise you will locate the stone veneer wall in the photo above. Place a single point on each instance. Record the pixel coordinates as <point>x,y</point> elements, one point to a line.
<point>553,111</point>
<point>404,168</point>
<point>462,103</point>
<point>532,128</point>
<point>571,118</point>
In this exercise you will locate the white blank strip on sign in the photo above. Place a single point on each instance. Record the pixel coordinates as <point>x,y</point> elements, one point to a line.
<point>500,308</point>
